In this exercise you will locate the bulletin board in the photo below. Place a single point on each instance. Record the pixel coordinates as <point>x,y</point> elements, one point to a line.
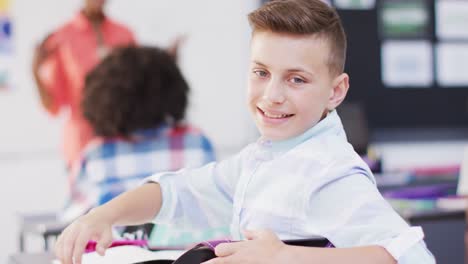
<point>408,61</point>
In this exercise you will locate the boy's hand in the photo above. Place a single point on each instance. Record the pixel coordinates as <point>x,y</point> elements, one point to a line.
<point>261,247</point>
<point>71,244</point>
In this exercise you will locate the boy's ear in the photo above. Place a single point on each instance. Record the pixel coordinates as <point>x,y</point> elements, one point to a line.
<point>340,86</point>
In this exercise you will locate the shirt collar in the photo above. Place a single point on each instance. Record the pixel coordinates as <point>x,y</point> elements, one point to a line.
<point>330,122</point>
<point>139,135</point>
<point>149,132</point>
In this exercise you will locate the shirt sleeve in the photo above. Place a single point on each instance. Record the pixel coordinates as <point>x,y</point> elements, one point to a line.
<point>198,198</point>
<point>351,212</point>
<point>417,254</point>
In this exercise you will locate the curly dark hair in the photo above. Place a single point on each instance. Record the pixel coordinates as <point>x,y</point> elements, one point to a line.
<point>134,88</point>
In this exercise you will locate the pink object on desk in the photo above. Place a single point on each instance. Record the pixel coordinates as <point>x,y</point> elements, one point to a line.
<point>91,246</point>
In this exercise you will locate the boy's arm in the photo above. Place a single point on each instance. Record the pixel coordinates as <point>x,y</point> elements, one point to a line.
<point>131,208</point>
<point>199,198</point>
<point>364,218</point>
<point>265,247</point>
<point>134,207</point>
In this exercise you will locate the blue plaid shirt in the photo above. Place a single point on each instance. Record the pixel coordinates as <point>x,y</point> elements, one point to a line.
<point>109,167</point>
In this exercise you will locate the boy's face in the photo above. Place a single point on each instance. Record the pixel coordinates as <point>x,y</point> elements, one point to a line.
<point>290,87</point>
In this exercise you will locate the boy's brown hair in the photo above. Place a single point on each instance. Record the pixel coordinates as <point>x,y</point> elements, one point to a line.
<point>304,17</point>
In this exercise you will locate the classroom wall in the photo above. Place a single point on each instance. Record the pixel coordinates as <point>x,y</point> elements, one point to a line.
<point>213,58</point>
<point>214,61</point>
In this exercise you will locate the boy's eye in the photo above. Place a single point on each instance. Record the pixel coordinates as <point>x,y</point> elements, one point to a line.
<point>297,80</point>
<point>261,73</point>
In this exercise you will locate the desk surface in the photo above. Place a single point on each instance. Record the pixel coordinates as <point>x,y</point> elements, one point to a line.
<point>36,258</point>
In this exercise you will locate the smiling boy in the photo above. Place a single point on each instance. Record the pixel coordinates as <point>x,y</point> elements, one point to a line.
<point>290,92</point>
<point>301,179</point>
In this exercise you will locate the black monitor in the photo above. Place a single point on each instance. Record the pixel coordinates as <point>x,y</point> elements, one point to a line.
<point>401,101</point>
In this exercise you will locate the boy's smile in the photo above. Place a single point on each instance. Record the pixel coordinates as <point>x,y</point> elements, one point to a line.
<point>290,85</point>
<point>274,117</point>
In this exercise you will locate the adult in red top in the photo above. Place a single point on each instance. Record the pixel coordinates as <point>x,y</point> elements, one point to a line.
<point>62,61</point>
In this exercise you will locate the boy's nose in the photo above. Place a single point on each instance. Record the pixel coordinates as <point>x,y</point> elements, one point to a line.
<point>274,93</point>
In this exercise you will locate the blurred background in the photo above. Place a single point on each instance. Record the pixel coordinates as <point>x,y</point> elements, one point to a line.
<point>406,112</point>
<point>213,59</point>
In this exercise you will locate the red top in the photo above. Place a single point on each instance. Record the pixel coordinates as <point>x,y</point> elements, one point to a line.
<point>75,52</point>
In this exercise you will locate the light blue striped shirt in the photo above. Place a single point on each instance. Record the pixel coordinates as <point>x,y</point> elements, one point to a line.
<point>313,185</point>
